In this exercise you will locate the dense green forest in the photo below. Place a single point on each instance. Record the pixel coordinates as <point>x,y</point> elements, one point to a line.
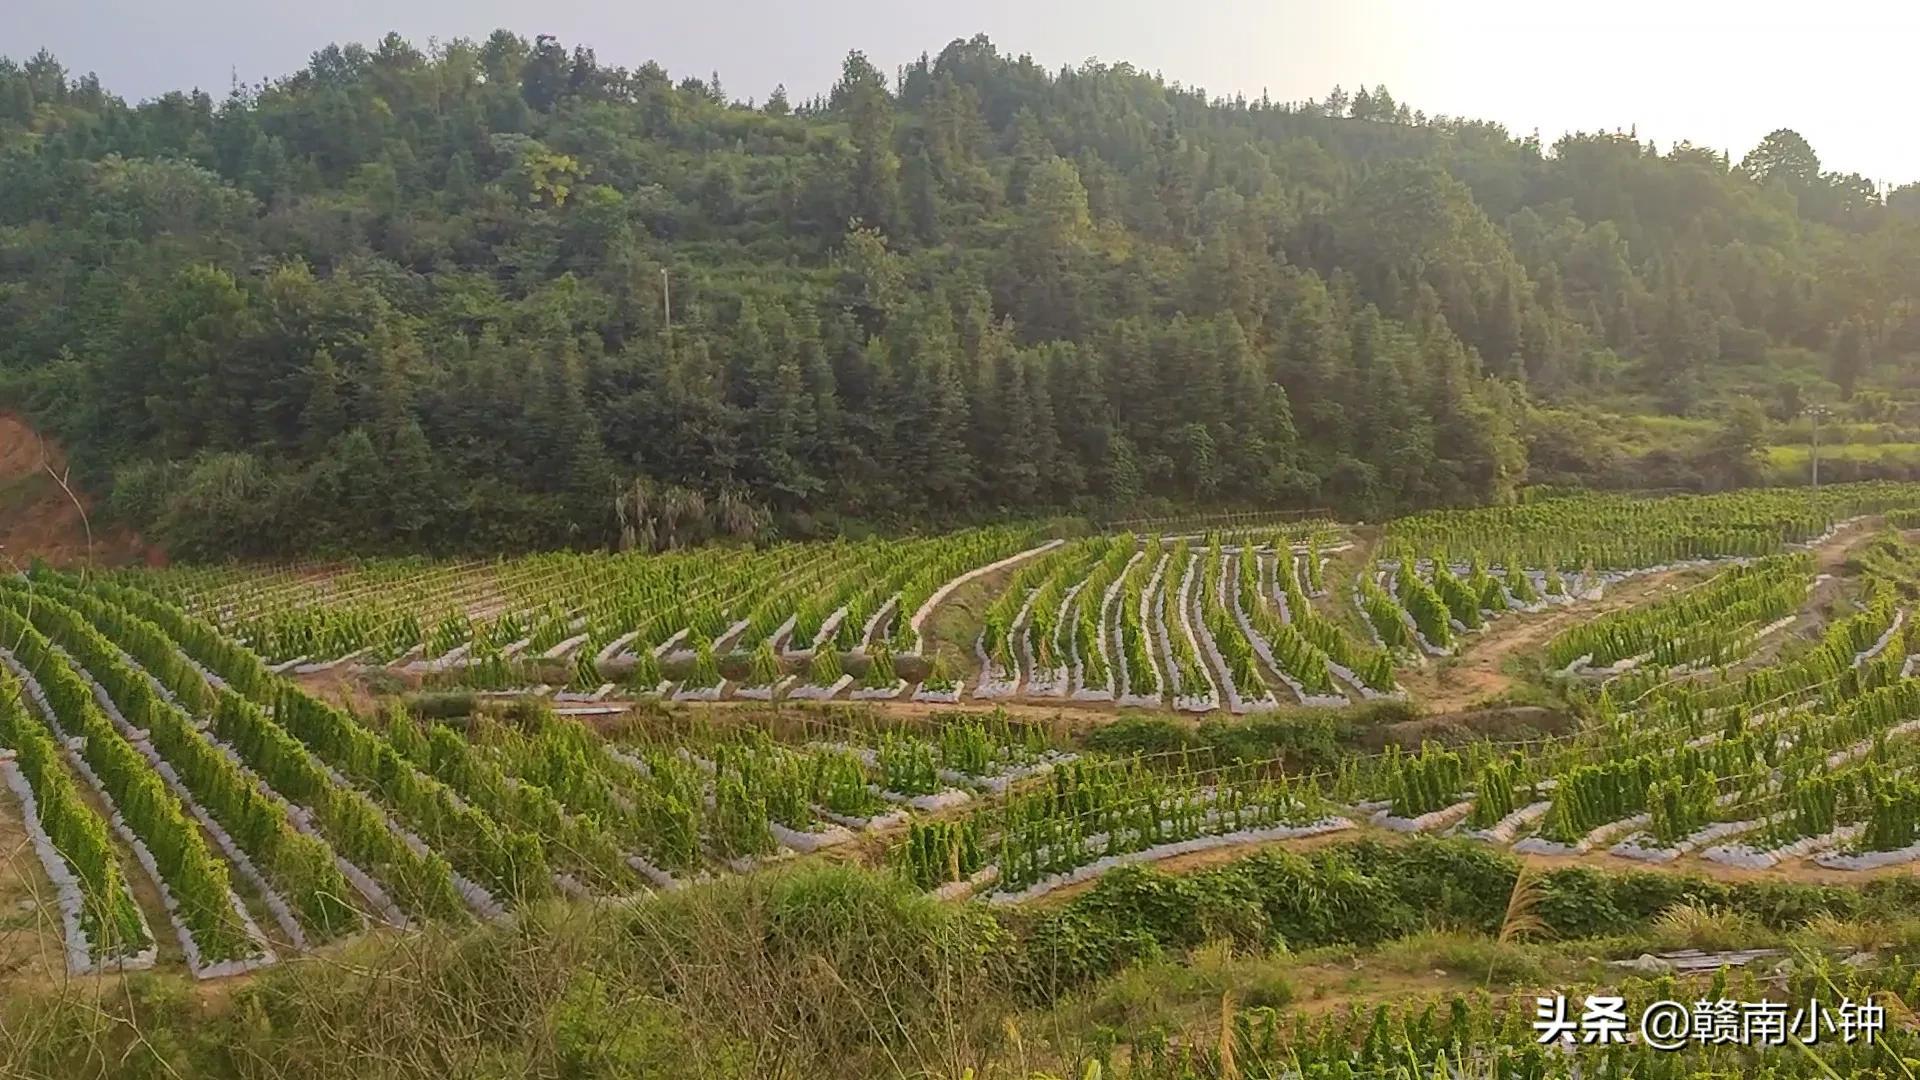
<point>498,295</point>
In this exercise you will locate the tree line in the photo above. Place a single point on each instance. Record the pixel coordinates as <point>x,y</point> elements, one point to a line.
<point>480,297</point>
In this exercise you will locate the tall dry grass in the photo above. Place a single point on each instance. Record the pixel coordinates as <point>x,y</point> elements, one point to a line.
<point>817,971</point>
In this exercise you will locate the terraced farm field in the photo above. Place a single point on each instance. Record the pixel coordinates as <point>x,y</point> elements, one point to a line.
<point>224,770</point>
<point>1245,620</point>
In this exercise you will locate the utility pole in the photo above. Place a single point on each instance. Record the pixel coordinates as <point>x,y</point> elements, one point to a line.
<point>1816,412</point>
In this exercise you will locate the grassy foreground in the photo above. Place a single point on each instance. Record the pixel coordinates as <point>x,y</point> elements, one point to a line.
<point>785,974</point>
<point>824,970</point>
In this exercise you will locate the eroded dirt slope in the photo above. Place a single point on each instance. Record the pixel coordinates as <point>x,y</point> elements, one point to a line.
<point>40,520</point>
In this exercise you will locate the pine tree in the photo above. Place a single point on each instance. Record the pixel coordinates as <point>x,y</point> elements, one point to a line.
<point>324,417</point>
<point>861,95</point>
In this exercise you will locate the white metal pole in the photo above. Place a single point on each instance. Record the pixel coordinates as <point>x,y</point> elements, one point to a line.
<point>1817,410</point>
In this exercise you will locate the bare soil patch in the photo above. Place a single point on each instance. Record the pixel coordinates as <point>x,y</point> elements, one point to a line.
<point>1508,724</point>
<point>357,691</point>
<point>38,519</point>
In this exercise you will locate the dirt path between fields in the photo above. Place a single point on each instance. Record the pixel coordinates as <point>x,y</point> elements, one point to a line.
<point>1476,675</point>
<point>32,936</point>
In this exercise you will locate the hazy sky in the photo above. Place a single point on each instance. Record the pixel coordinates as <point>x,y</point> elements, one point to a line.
<point>1720,73</point>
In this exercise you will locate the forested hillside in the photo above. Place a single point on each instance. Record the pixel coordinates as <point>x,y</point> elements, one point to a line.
<point>501,296</point>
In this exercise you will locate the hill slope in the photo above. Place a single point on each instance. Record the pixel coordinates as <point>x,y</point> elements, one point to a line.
<point>479,298</point>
